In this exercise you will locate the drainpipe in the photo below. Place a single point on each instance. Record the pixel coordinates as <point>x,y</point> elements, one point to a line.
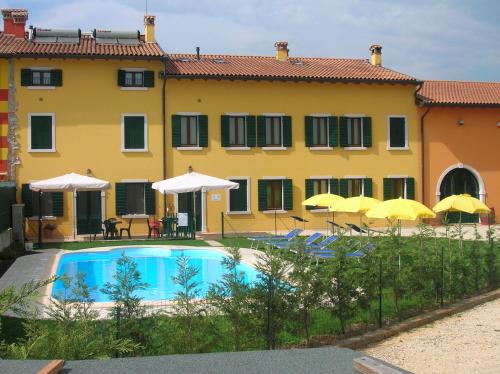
<point>164,129</point>
<point>421,102</point>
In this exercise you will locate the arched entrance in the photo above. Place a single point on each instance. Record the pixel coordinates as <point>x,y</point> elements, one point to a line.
<point>457,181</point>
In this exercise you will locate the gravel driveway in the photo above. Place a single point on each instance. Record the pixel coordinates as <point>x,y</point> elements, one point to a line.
<point>468,342</point>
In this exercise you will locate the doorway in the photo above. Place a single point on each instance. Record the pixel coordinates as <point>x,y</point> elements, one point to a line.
<point>185,205</point>
<point>460,181</point>
<point>88,212</point>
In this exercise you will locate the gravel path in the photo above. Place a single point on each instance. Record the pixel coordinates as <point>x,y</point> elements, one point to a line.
<point>468,342</point>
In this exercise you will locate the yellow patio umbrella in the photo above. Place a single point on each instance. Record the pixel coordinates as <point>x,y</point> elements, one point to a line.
<point>358,204</point>
<point>326,200</point>
<point>399,209</point>
<point>461,203</point>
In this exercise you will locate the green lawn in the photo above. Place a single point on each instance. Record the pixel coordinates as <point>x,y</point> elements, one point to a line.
<point>111,243</point>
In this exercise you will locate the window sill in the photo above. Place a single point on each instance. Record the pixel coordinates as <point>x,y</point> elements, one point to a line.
<point>355,148</point>
<point>318,210</point>
<point>41,150</point>
<point>398,148</point>
<point>44,218</point>
<point>321,148</point>
<point>238,213</point>
<point>236,148</point>
<point>274,148</point>
<point>134,88</point>
<point>41,87</point>
<point>278,211</point>
<point>132,216</point>
<point>189,148</point>
<point>134,150</point>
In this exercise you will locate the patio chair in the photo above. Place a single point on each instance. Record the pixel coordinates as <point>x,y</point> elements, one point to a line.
<point>257,239</point>
<point>103,231</point>
<point>321,245</point>
<point>286,244</point>
<point>126,229</point>
<point>154,227</point>
<point>364,230</point>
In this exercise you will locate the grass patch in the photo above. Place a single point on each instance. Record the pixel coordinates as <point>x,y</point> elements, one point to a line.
<point>72,246</point>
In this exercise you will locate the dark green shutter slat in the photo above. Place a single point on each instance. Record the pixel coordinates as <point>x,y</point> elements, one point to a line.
<point>387,188</point>
<point>343,132</point>
<point>367,131</point>
<point>287,131</point>
<point>134,132</point>
<point>203,130</point>
<point>58,204</point>
<point>334,186</point>
<point>41,132</point>
<point>410,188</point>
<point>251,140</point>
<point>287,194</point>
<point>27,197</point>
<point>150,198</point>
<point>308,121</point>
<point>333,131</point>
<point>368,187</point>
<point>176,130</point>
<point>26,76</point>
<point>224,131</point>
<point>149,78</point>
<point>261,131</point>
<point>309,190</point>
<point>397,136</point>
<point>343,187</point>
<point>238,197</point>
<point>262,194</point>
<point>121,78</point>
<point>120,199</point>
<point>56,77</point>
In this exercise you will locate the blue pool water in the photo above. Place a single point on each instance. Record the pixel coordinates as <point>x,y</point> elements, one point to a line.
<point>156,265</point>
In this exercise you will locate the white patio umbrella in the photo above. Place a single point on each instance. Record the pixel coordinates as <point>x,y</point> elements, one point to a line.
<point>193,182</point>
<point>68,182</point>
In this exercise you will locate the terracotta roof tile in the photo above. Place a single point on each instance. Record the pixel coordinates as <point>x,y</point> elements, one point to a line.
<point>9,45</point>
<point>264,67</point>
<point>461,93</point>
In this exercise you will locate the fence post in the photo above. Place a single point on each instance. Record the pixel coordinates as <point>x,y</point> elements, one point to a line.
<point>222,224</point>
<point>380,293</point>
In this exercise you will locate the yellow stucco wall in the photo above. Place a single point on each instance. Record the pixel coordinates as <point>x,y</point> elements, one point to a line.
<point>214,98</point>
<point>4,86</point>
<point>88,112</point>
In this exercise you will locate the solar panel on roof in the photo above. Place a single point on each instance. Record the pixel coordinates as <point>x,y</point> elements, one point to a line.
<point>117,37</point>
<point>40,35</point>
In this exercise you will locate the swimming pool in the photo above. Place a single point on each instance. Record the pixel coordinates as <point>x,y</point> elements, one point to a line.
<point>156,265</point>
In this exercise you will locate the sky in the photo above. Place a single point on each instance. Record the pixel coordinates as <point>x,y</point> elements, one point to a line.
<point>428,39</point>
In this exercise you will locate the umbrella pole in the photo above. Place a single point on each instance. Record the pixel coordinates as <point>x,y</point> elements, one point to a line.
<point>40,219</point>
<point>333,225</point>
<point>194,212</point>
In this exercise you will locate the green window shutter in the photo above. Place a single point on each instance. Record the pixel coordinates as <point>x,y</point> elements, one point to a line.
<point>27,198</point>
<point>133,132</point>
<point>120,199</point>
<point>334,186</point>
<point>287,131</point>
<point>58,204</point>
<point>287,194</point>
<point>309,190</point>
<point>176,130</point>
<point>309,131</point>
<point>150,199</point>
<point>56,77</point>
<point>251,140</point>
<point>368,187</point>
<point>343,132</point>
<point>387,188</point>
<point>262,194</point>
<point>397,135</point>
<point>149,78</point>
<point>343,188</point>
<point>367,131</point>
<point>224,131</point>
<point>41,132</point>
<point>261,131</point>
<point>410,188</point>
<point>203,130</point>
<point>121,78</point>
<point>333,131</point>
<point>238,198</point>
<point>26,77</point>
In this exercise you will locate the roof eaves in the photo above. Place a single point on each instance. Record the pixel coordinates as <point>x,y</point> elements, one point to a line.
<point>87,56</point>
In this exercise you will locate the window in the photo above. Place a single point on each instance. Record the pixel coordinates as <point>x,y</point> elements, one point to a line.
<point>398,137</point>
<point>275,194</point>
<point>237,131</point>
<point>41,133</point>
<point>355,132</point>
<point>189,131</point>
<point>356,186</point>
<point>237,137</point>
<point>41,77</point>
<point>136,78</point>
<point>320,132</point>
<point>274,131</point>
<point>316,186</point>
<point>52,203</point>
<point>134,133</point>
<point>135,198</point>
<point>396,187</point>
<point>238,198</point>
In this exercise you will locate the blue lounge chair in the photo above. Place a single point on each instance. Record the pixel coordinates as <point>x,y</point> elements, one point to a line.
<point>321,245</point>
<point>310,240</point>
<point>257,239</point>
<point>357,253</point>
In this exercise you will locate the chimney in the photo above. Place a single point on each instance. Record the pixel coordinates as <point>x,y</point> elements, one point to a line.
<point>376,55</point>
<point>14,21</point>
<point>281,51</point>
<point>149,28</point>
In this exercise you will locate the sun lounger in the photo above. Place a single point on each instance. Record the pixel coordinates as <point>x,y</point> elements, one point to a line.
<point>360,230</point>
<point>258,239</point>
<point>322,245</point>
<point>286,244</point>
<point>357,253</point>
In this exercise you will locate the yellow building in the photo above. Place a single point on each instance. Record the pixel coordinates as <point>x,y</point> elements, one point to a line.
<point>288,127</point>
